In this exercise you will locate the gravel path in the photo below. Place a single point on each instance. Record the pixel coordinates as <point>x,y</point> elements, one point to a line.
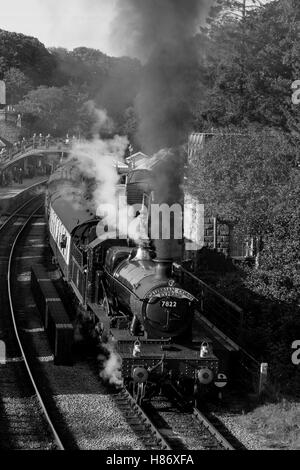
<point>88,410</point>
<point>231,421</point>
<point>97,423</point>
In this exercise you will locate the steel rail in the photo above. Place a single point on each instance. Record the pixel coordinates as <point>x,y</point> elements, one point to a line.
<point>145,419</point>
<point>200,417</point>
<point>211,428</point>
<point>23,205</point>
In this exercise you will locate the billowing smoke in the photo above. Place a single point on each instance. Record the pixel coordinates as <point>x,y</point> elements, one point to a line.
<point>111,364</point>
<point>160,33</point>
<point>102,122</point>
<point>97,160</point>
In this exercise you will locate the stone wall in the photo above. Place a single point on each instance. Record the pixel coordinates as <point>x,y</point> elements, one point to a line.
<point>218,241</point>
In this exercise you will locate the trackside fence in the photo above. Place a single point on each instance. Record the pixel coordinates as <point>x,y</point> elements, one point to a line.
<point>229,318</point>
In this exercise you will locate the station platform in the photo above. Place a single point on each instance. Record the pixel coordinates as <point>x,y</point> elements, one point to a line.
<point>13,190</point>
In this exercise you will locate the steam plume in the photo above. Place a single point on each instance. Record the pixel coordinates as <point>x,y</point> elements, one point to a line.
<point>160,33</point>
<point>98,159</point>
<point>111,366</point>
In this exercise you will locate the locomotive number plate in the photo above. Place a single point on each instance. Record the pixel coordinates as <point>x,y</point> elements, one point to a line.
<point>168,303</point>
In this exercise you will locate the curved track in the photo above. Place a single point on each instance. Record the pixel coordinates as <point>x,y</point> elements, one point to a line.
<point>24,421</point>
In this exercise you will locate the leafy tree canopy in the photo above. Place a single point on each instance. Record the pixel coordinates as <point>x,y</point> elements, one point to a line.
<point>27,54</point>
<point>240,177</point>
<point>17,85</point>
<point>56,110</point>
<point>251,63</point>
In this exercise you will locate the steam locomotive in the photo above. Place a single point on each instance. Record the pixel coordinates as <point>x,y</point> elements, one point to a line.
<point>128,290</point>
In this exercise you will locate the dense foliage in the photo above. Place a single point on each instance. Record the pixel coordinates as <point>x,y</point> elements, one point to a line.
<point>251,64</point>
<point>57,110</point>
<point>28,55</point>
<point>248,172</point>
<point>240,177</point>
<point>53,88</point>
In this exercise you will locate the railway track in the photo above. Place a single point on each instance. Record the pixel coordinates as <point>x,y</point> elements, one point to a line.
<point>24,420</point>
<point>184,428</point>
<point>174,425</point>
<point>140,422</point>
<point>227,440</point>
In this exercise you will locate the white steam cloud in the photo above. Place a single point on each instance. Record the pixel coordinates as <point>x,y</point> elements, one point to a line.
<point>98,160</point>
<point>111,367</point>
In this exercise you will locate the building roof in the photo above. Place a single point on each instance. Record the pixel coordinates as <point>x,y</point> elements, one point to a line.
<point>136,156</point>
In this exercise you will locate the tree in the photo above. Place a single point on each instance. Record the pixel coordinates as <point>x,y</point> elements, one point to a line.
<point>222,10</point>
<point>239,176</point>
<point>278,277</point>
<point>254,181</point>
<point>251,63</point>
<point>28,55</point>
<point>17,85</point>
<point>82,66</point>
<point>250,175</point>
<point>112,83</point>
<point>55,110</point>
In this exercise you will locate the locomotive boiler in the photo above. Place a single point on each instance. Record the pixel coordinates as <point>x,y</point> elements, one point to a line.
<point>144,288</point>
